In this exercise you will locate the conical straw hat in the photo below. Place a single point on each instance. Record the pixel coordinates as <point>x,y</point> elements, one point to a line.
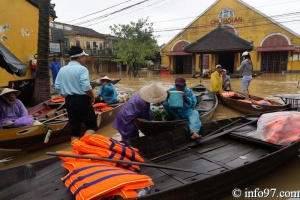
<point>153,93</point>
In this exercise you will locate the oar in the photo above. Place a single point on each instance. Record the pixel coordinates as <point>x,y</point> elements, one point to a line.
<point>205,139</point>
<point>54,118</point>
<point>120,161</point>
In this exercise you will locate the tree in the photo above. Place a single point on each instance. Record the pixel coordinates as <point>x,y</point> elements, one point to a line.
<point>136,43</point>
<point>42,84</point>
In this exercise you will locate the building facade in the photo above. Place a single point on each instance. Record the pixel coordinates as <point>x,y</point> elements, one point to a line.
<point>18,38</point>
<point>220,35</point>
<point>98,46</point>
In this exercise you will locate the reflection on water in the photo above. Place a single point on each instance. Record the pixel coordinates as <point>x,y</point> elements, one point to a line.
<point>267,85</point>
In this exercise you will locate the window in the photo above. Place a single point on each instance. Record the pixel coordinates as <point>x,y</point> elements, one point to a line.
<point>78,43</point>
<point>95,45</point>
<point>226,13</point>
<point>88,45</point>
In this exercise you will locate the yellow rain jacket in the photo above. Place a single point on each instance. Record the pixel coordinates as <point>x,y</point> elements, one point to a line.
<point>216,82</point>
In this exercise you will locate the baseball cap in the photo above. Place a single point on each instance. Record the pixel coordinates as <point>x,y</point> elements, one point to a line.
<point>180,81</point>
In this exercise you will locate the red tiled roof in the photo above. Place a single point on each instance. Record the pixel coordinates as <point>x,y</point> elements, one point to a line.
<point>219,40</point>
<point>278,48</point>
<point>177,53</point>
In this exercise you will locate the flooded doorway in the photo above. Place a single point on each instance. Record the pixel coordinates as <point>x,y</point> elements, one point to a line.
<point>183,65</point>
<point>274,62</point>
<point>226,60</point>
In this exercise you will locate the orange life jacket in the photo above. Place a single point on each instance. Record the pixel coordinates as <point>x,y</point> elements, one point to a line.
<point>229,94</point>
<point>85,148</point>
<point>58,99</point>
<point>113,145</point>
<point>101,107</point>
<point>90,181</point>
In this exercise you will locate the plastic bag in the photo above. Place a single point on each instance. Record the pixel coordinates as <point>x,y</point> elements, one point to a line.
<point>282,128</point>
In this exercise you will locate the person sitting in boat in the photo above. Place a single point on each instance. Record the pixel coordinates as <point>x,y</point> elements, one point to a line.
<point>225,80</point>
<point>216,80</point>
<point>107,93</point>
<point>12,110</point>
<point>206,73</point>
<point>187,111</point>
<point>138,106</point>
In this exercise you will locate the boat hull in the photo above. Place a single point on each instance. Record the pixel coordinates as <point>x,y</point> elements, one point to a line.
<point>250,108</point>
<point>228,161</point>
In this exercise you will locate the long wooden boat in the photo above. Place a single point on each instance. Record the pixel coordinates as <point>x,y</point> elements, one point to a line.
<point>225,159</point>
<point>207,102</point>
<point>238,75</point>
<point>52,116</point>
<point>235,100</point>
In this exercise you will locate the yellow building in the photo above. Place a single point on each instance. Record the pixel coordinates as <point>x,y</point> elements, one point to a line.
<point>223,32</point>
<point>18,38</point>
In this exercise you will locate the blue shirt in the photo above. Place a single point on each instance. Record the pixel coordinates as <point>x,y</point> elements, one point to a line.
<point>55,67</point>
<point>73,79</point>
<point>108,93</point>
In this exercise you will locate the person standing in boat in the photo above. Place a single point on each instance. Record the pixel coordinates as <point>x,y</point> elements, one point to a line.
<point>187,111</point>
<point>138,106</point>
<point>12,110</point>
<point>73,83</point>
<point>246,69</point>
<point>225,80</point>
<point>107,93</point>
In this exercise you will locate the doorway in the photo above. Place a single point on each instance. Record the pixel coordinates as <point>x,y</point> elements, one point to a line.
<point>226,60</point>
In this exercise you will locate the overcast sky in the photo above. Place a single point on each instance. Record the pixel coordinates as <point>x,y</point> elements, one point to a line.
<point>168,16</point>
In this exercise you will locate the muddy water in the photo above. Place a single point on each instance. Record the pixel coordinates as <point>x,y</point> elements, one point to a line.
<point>285,178</point>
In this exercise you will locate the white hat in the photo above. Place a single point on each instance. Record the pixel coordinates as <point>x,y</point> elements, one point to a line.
<point>224,70</point>
<point>8,90</point>
<point>218,66</point>
<point>153,93</point>
<point>246,53</point>
<point>105,78</point>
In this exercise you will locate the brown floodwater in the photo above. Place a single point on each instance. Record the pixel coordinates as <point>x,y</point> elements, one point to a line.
<point>284,178</point>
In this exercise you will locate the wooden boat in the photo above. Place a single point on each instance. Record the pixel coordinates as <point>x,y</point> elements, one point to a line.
<point>52,116</point>
<point>223,160</point>
<point>97,82</point>
<point>237,102</point>
<point>207,102</point>
<point>237,75</point>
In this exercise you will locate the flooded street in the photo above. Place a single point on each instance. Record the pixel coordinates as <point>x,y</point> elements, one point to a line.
<point>284,178</point>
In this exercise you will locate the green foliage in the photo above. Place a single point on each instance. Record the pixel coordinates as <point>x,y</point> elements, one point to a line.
<point>159,115</point>
<point>136,43</point>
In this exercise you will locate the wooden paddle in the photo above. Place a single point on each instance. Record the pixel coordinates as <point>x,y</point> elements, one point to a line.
<point>119,161</point>
<point>54,118</point>
<point>205,139</point>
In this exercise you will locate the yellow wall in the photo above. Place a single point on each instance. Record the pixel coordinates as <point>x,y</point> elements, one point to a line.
<point>21,18</point>
<point>253,27</point>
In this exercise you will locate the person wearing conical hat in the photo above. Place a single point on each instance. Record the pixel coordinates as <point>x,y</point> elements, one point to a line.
<point>187,110</point>
<point>107,92</point>
<point>138,106</point>
<point>11,108</point>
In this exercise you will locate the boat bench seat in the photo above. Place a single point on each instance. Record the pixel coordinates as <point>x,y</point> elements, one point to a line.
<point>202,109</point>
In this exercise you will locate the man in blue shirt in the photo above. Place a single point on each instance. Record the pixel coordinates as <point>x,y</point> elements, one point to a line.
<point>73,83</point>
<point>55,67</point>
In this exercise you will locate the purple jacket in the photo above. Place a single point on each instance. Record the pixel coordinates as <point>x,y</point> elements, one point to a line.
<point>12,112</point>
<point>135,107</point>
